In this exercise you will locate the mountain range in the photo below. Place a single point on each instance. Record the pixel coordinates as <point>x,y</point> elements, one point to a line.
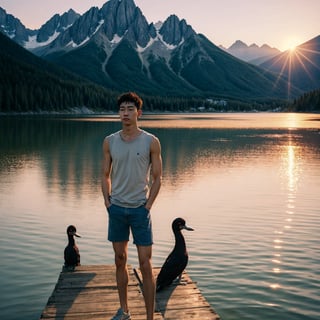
<point>253,53</point>
<point>116,47</point>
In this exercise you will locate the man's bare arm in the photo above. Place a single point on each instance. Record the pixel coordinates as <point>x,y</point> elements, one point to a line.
<point>106,170</point>
<point>156,172</point>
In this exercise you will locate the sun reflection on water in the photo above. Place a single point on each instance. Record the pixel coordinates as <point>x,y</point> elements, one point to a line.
<point>290,172</point>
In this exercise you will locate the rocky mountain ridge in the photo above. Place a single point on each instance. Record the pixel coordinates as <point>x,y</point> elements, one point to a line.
<point>50,30</point>
<point>116,46</point>
<point>14,29</point>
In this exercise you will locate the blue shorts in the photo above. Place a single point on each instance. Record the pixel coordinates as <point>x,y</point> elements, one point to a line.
<point>122,220</point>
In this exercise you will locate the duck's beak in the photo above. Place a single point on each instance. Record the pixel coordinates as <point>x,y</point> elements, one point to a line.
<point>188,228</point>
<point>75,234</point>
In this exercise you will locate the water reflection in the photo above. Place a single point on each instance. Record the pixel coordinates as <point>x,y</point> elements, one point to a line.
<point>69,152</point>
<point>290,173</point>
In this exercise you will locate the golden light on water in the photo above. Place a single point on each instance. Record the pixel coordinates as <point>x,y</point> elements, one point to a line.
<point>292,122</point>
<point>290,174</point>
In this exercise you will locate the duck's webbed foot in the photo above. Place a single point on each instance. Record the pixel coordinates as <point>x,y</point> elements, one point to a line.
<point>180,281</point>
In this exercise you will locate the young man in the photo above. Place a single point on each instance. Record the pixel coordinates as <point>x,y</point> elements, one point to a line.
<point>130,157</point>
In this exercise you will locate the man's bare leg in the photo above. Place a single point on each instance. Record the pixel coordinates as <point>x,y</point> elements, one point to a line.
<point>121,254</point>
<point>145,254</point>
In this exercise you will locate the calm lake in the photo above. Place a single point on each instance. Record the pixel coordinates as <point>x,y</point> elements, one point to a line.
<point>249,185</point>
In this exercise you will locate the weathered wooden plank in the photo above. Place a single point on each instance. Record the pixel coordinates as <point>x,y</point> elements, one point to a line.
<point>90,292</point>
<point>183,300</point>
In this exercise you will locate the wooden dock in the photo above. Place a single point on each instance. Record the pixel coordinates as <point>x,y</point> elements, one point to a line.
<point>90,292</point>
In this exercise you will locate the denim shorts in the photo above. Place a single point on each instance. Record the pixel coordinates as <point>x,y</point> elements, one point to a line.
<point>122,220</point>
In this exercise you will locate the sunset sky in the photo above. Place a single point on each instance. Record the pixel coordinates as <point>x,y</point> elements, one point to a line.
<point>278,23</point>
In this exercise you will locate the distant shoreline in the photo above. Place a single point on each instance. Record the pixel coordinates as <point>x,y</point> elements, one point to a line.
<point>110,113</point>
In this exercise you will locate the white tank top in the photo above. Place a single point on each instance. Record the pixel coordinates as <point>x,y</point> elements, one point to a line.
<point>130,169</point>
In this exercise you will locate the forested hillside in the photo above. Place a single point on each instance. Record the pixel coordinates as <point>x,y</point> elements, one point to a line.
<point>308,102</point>
<point>28,83</point>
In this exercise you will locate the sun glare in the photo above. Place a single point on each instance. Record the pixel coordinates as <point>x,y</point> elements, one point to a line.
<point>292,43</point>
<point>296,56</point>
<point>292,48</point>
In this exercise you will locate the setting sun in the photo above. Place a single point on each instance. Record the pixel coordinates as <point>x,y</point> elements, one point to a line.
<point>292,48</point>
<point>291,43</point>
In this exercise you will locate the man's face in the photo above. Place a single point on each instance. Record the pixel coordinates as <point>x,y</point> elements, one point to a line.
<point>128,112</point>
